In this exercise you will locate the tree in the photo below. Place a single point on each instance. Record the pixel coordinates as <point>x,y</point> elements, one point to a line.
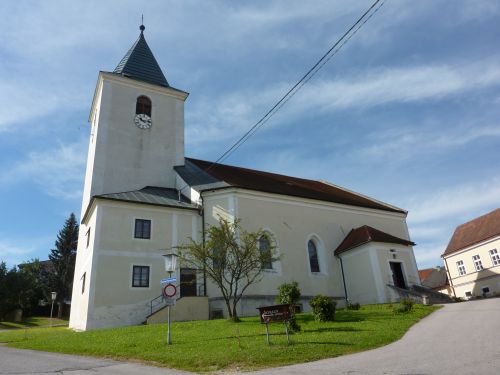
<point>63,259</point>
<point>230,257</point>
<point>289,294</point>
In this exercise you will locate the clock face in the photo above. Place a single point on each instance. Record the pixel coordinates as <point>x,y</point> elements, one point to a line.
<point>143,121</point>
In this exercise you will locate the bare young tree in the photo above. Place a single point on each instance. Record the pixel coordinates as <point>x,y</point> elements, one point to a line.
<point>232,258</point>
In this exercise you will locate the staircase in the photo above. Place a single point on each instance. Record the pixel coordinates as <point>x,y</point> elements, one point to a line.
<point>185,308</point>
<point>417,293</point>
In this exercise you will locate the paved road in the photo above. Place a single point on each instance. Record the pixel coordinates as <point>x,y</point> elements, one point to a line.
<point>459,339</point>
<point>462,338</point>
<point>23,362</point>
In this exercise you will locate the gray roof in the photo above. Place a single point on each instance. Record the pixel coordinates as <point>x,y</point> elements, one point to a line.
<point>139,63</point>
<point>196,177</point>
<point>157,196</point>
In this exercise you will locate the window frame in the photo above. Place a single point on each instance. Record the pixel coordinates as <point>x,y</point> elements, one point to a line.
<point>495,257</point>
<point>478,264</point>
<point>84,276</point>
<point>317,256</point>
<point>461,268</point>
<point>143,105</point>
<point>266,237</point>
<point>141,268</point>
<point>87,235</point>
<point>141,232</point>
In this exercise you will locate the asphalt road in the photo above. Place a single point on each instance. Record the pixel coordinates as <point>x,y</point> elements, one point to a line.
<point>462,338</point>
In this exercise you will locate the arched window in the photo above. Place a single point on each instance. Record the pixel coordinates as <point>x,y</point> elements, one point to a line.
<point>143,106</point>
<point>265,249</point>
<point>313,256</point>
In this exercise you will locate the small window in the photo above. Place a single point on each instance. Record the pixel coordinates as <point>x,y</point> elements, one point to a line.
<point>142,229</point>
<point>87,235</point>
<point>143,106</point>
<point>83,282</point>
<point>313,256</point>
<point>485,290</point>
<point>495,257</point>
<point>461,268</point>
<point>140,277</point>
<point>265,249</point>
<point>477,262</point>
<point>468,294</point>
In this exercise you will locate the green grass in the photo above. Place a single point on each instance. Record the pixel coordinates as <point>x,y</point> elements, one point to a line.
<point>35,321</point>
<point>219,344</point>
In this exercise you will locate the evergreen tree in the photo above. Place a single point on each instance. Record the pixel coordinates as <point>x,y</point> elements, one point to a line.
<point>63,259</point>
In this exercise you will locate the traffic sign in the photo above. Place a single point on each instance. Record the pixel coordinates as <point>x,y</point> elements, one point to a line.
<point>168,280</point>
<point>170,290</point>
<point>169,301</point>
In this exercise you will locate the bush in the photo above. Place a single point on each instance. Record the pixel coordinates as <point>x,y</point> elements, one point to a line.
<point>290,294</point>
<point>323,308</point>
<point>353,306</point>
<point>405,305</point>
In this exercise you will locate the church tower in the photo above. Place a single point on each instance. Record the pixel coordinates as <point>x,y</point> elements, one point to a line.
<point>137,127</point>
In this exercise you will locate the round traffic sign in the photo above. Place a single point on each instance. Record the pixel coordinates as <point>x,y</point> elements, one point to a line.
<point>169,290</point>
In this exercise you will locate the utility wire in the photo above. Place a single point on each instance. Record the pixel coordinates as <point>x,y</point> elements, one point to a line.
<point>367,15</point>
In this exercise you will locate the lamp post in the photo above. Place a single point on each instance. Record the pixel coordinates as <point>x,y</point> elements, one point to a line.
<point>53,296</point>
<point>170,267</point>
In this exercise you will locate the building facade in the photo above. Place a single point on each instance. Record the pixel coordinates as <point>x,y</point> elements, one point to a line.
<point>143,198</point>
<point>472,257</point>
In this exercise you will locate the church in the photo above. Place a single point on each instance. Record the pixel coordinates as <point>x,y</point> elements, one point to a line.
<point>143,197</point>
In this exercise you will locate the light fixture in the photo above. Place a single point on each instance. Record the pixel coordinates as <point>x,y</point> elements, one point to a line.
<point>170,262</point>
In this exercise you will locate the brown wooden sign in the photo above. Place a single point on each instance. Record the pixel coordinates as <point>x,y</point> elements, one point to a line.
<point>274,314</point>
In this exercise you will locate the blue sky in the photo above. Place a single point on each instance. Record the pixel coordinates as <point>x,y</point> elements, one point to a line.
<point>407,112</point>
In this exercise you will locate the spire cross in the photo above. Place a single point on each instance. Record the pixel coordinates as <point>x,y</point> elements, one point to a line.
<point>142,27</point>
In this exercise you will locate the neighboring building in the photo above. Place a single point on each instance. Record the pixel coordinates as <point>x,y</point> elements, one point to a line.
<point>436,279</point>
<point>142,197</point>
<point>472,257</point>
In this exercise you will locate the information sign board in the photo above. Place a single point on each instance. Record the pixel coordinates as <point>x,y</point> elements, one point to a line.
<point>168,280</point>
<point>274,314</point>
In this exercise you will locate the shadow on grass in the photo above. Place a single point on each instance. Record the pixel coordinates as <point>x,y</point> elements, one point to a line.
<point>334,329</point>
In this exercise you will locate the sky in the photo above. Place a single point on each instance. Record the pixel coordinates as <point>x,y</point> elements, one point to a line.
<point>406,112</point>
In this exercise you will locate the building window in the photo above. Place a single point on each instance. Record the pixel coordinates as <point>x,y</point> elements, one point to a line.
<point>140,276</point>
<point>83,282</point>
<point>477,262</point>
<point>313,256</point>
<point>461,268</point>
<point>485,289</point>
<point>495,257</point>
<point>87,235</point>
<point>265,249</point>
<point>142,229</point>
<point>143,106</point>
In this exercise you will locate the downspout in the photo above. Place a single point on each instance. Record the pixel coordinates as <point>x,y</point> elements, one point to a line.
<point>449,277</point>
<point>343,278</point>
<point>202,212</point>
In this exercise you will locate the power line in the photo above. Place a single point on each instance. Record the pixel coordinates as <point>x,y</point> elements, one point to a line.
<point>365,17</point>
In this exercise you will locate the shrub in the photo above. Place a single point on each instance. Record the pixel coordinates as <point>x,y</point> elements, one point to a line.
<point>353,306</point>
<point>405,305</point>
<point>290,294</point>
<point>323,308</point>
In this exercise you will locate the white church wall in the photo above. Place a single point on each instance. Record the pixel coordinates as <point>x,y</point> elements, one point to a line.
<point>294,221</point>
<point>127,157</point>
<point>115,302</point>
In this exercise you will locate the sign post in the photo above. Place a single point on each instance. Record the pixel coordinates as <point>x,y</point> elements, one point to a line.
<point>170,290</point>
<point>275,314</point>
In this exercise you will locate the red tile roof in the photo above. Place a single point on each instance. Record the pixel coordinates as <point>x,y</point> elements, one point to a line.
<point>365,234</point>
<point>474,231</point>
<point>286,185</point>
<point>424,274</point>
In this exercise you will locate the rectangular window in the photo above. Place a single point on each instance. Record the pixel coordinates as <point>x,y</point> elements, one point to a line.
<point>461,268</point>
<point>142,229</point>
<point>477,262</point>
<point>495,257</point>
<point>140,276</point>
<point>88,237</point>
<point>83,282</point>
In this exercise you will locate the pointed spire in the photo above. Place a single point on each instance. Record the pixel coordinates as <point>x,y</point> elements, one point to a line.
<point>139,63</point>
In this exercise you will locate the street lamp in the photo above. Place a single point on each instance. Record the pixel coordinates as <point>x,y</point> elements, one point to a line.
<point>170,267</point>
<point>53,296</point>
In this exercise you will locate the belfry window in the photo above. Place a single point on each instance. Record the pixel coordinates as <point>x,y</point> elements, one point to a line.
<point>143,106</point>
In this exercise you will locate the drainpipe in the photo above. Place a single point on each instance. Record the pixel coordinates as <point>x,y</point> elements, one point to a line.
<point>343,278</point>
<point>449,278</point>
<point>202,213</point>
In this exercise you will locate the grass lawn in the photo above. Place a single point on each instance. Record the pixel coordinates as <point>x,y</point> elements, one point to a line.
<point>219,344</point>
<point>35,321</point>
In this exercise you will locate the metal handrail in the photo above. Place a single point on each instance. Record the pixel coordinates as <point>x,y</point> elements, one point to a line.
<point>158,303</point>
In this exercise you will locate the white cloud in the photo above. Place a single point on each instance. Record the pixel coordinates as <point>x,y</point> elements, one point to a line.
<point>13,253</point>
<point>58,172</point>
